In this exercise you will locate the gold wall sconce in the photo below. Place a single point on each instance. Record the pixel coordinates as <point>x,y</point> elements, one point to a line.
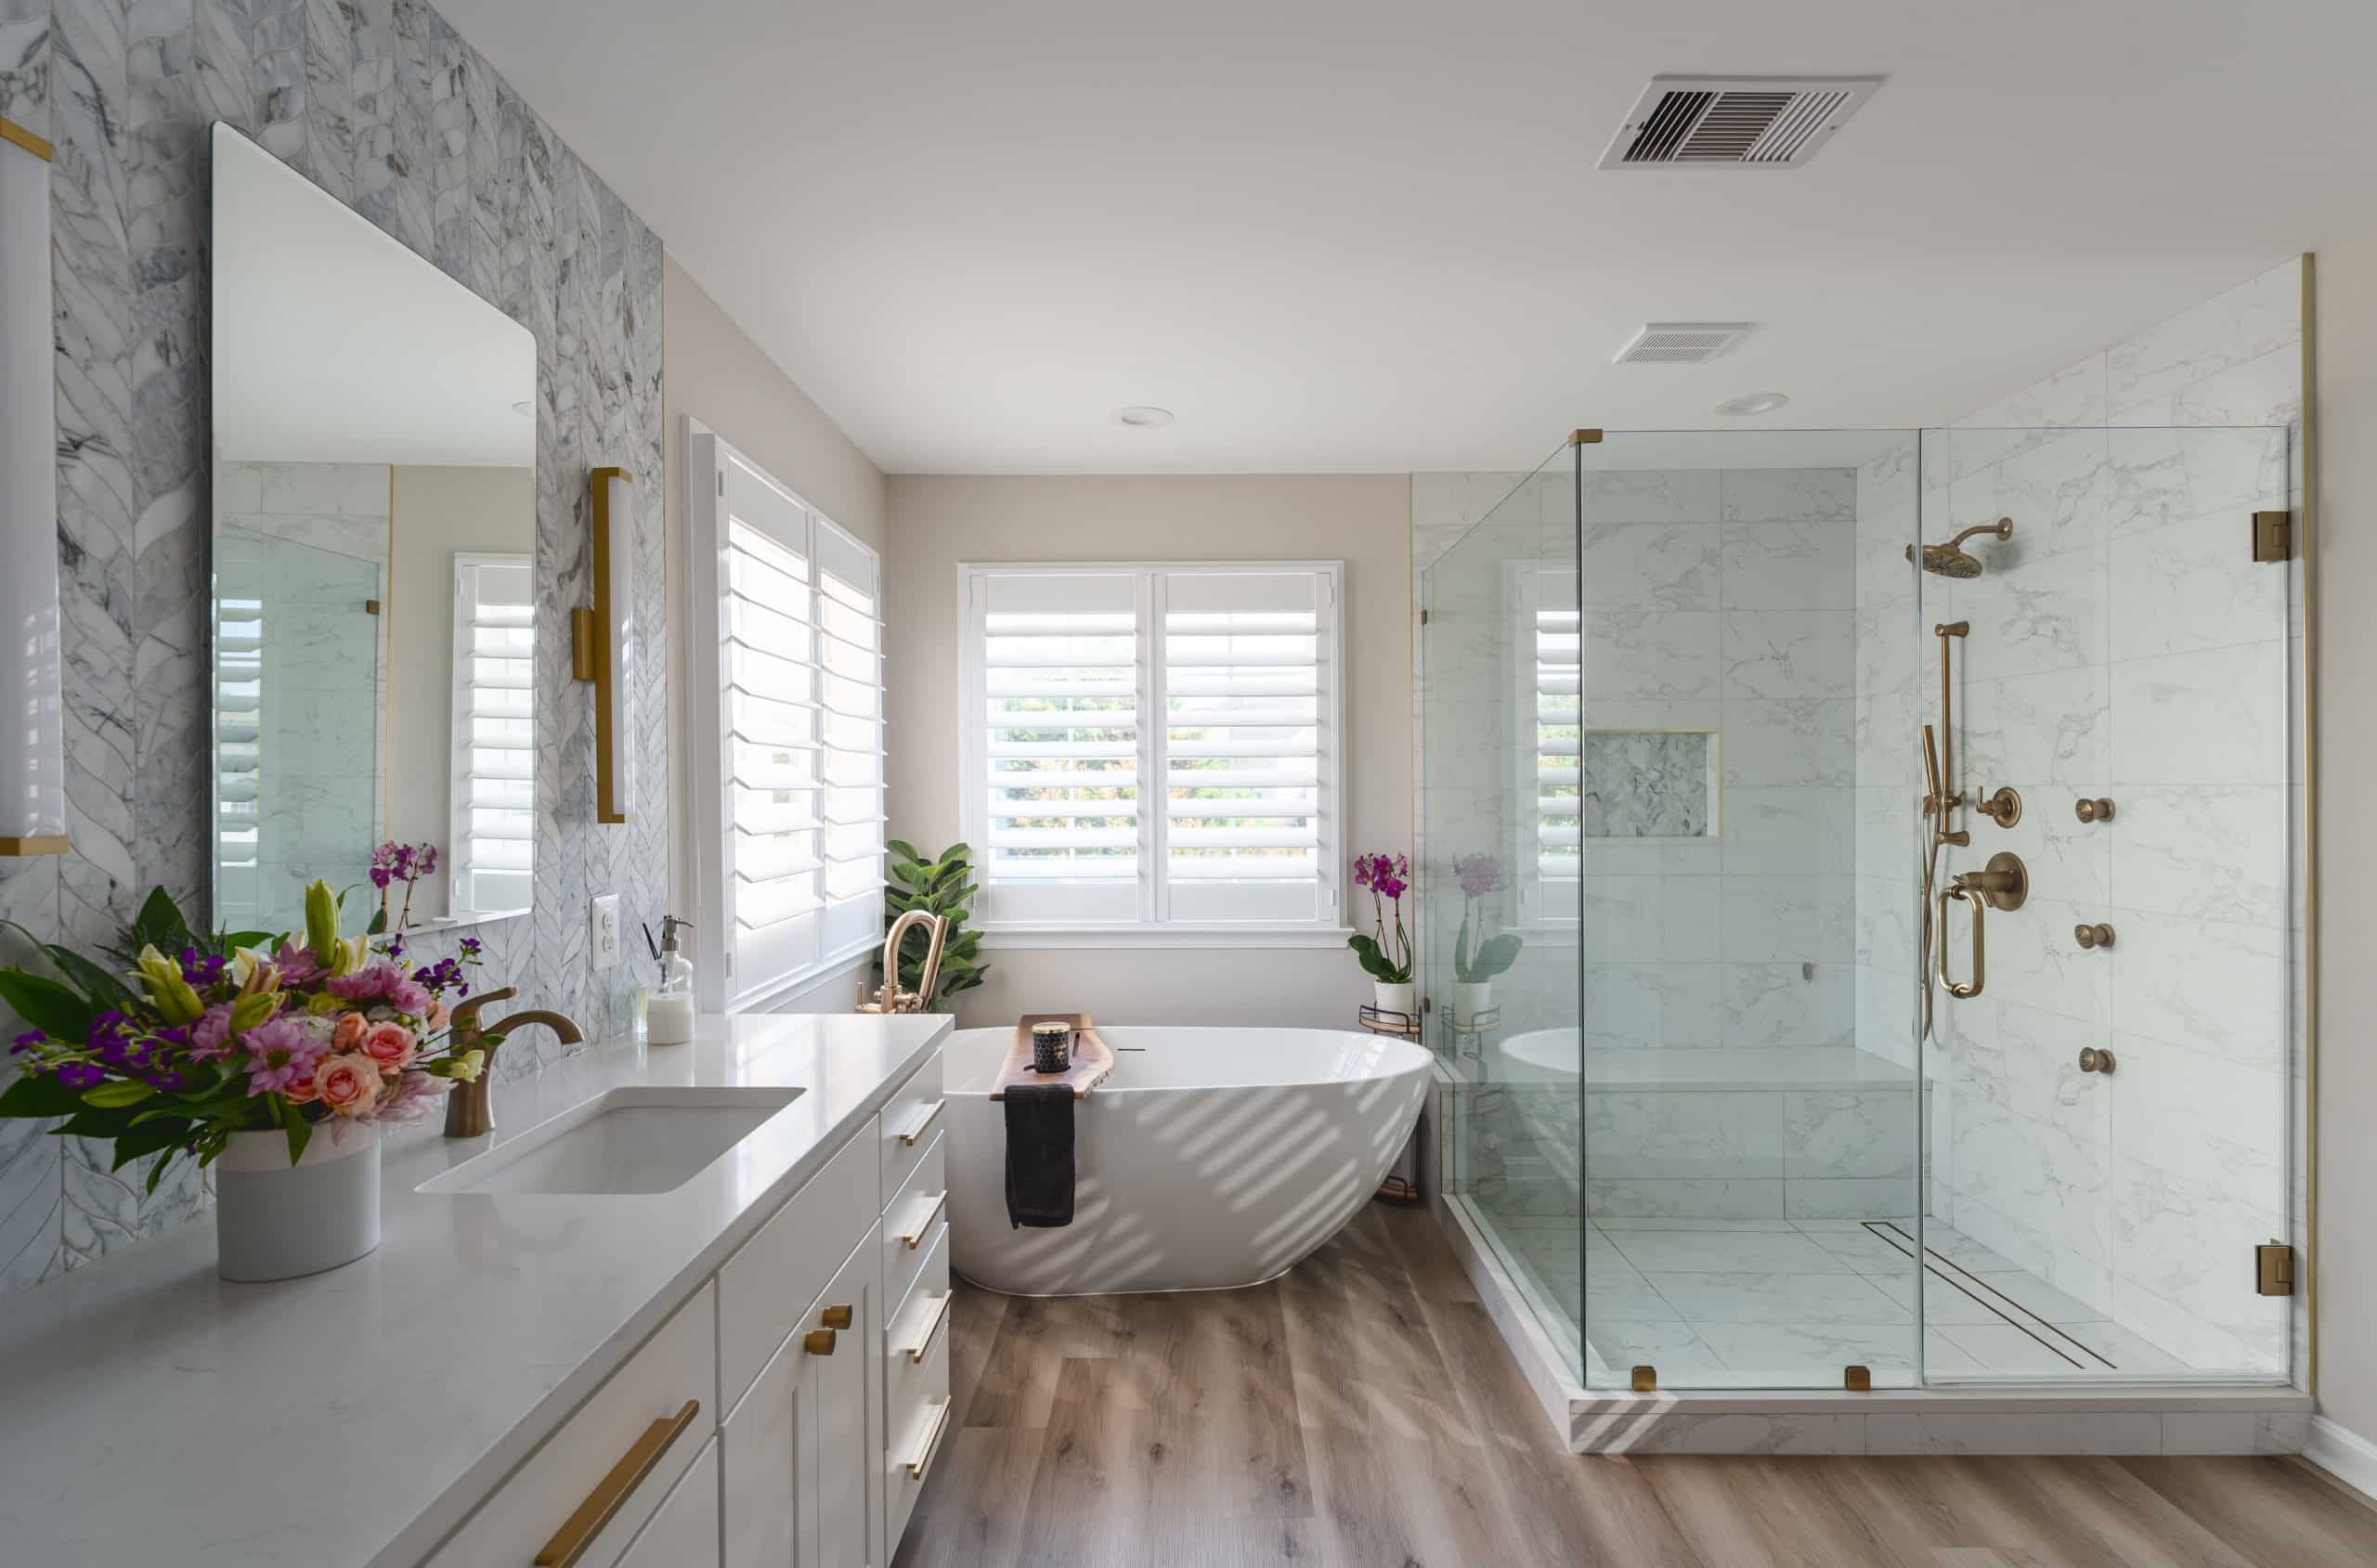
<point>605,645</point>
<point>32,742</point>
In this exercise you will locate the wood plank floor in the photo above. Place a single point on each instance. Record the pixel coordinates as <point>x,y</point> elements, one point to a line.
<point>1363,1412</point>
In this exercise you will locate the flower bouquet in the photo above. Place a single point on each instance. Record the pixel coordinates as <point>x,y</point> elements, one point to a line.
<point>1386,959</point>
<point>276,1056</point>
<point>1473,968</point>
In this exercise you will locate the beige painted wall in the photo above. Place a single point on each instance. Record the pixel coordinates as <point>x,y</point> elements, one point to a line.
<point>2346,346</point>
<point>714,373</point>
<point>437,512</point>
<point>1364,520</point>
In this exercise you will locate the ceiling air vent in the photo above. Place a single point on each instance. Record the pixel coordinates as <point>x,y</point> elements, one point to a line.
<point>1741,122</point>
<point>1681,343</point>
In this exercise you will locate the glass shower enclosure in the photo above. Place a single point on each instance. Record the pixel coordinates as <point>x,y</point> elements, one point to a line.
<point>1786,1059</point>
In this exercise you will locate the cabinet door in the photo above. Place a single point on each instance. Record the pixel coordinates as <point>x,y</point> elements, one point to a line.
<point>846,1394</point>
<point>685,1533</point>
<point>770,1463</point>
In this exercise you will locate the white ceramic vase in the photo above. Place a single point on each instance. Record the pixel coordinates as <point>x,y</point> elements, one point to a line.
<point>1472,999</point>
<point>1392,998</point>
<point>277,1220</point>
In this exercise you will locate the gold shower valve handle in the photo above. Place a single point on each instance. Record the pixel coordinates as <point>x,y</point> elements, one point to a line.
<point>2003,808</point>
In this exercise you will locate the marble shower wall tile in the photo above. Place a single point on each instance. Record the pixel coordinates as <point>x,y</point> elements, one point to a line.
<point>2122,645</point>
<point>380,103</point>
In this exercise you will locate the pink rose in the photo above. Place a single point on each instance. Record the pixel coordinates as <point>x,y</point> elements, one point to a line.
<point>349,1032</point>
<point>440,1015</point>
<point>389,1045</point>
<point>300,1089</point>
<point>347,1084</point>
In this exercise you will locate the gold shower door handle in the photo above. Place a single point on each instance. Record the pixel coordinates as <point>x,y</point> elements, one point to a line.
<point>1980,944</point>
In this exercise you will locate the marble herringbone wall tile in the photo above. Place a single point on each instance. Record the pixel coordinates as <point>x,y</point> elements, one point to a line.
<point>380,103</point>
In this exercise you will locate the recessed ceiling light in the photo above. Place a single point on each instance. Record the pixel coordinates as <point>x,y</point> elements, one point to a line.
<point>524,408</point>
<point>1755,403</point>
<point>1140,417</point>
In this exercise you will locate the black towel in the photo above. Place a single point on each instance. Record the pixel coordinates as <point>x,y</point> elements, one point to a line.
<point>1039,1155</point>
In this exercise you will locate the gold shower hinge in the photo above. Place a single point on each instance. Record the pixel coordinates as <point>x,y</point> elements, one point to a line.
<point>1646,1379</point>
<point>1857,1379</point>
<point>1584,438</point>
<point>2274,1269</point>
<point>2273,536</point>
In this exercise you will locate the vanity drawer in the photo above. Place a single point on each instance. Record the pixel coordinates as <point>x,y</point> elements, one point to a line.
<point>910,1123</point>
<point>642,1408</point>
<point>913,1219</point>
<point>922,1425</point>
<point>765,1290</point>
<point>917,1325</point>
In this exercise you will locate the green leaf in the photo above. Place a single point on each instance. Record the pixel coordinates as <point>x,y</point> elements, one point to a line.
<point>903,848</point>
<point>378,922</point>
<point>47,1006</point>
<point>117,1094</point>
<point>228,941</point>
<point>299,1130</point>
<point>138,1141</point>
<point>39,1095</point>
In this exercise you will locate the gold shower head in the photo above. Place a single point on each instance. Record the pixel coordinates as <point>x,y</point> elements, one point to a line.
<point>1951,561</point>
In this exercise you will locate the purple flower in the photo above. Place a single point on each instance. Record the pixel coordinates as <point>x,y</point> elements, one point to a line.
<point>1479,874</point>
<point>26,1042</point>
<point>1385,875</point>
<point>470,949</point>
<point>409,996</point>
<point>211,1036</point>
<point>297,964</point>
<point>283,1052</point>
<point>81,1075</point>
<point>372,979</point>
<point>427,865</point>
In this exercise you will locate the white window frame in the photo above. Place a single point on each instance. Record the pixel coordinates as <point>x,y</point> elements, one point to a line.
<point>717,986</point>
<point>1544,903</point>
<point>1153,927</point>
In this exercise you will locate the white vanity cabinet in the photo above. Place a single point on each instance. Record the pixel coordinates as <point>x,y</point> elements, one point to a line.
<point>817,1357</point>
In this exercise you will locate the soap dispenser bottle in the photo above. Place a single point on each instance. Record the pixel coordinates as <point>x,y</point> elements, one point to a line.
<point>669,1012</point>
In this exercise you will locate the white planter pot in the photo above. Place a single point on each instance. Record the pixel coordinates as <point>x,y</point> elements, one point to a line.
<point>276,1221</point>
<point>1396,998</point>
<point>1471,998</point>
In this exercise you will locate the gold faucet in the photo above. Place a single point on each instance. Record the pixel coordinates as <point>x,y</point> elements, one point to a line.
<point>888,997</point>
<point>468,1113</point>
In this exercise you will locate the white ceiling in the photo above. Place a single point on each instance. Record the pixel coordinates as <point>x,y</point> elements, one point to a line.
<point>335,343</point>
<point>1367,234</point>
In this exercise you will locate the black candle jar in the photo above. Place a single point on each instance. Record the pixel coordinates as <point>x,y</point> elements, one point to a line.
<point>1052,1047</point>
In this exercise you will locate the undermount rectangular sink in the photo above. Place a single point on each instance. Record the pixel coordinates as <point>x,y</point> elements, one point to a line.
<point>626,1141</point>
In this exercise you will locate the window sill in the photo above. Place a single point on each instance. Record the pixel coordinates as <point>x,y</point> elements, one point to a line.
<point>1091,937</point>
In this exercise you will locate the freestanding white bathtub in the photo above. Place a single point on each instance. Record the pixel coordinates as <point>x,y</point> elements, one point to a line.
<point>1212,1157</point>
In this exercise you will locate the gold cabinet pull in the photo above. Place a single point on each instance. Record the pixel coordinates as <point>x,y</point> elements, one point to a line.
<point>914,1237</point>
<point>602,1505</point>
<point>818,1342</point>
<point>932,1444</point>
<point>922,1348</point>
<point>835,1318</point>
<point>917,1130</point>
<point>1980,972</point>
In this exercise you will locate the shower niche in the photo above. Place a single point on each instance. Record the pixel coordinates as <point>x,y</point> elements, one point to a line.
<point>1731,1130</point>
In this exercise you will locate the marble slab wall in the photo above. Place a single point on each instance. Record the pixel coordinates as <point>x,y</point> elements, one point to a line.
<point>2123,645</point>
<point>383,105</point>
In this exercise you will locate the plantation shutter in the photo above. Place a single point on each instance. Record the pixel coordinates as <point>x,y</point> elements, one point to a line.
<point>238,729</point>
<point>1553,633</point>
<point>849,673</point>
<point>1061,746</point>
<point>1247,702</point>
<point>494,820</point>
<point>1154,747</point>
<point>788,757</point>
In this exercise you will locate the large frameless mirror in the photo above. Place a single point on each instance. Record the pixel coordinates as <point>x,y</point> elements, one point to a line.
<point>373,568</point>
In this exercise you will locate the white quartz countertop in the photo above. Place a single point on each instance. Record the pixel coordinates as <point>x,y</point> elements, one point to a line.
<point>154,1414</point>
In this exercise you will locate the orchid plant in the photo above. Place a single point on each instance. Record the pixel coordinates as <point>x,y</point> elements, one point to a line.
<point>407,863</point>
<point>1386,959</point>
<point>1480,875</point>
<point>204,1036</point>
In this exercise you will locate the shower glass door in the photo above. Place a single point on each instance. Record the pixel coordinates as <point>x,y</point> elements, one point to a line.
<point>2109,1116</point>
<point>1748,1066</point>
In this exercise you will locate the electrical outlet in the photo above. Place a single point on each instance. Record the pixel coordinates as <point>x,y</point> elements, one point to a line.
<point>602,932</point>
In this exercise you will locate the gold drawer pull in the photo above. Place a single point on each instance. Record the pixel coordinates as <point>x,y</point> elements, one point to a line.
<point>922,1348</point>
<point>915,1236</point>
<point>818,1342</point>
<point>917,1130</point>
<point>923,1462</point>
<point>836,1316</point>
<point>602,1505</point>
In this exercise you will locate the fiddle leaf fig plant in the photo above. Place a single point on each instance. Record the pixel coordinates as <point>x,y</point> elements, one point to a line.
<point>938,884</point>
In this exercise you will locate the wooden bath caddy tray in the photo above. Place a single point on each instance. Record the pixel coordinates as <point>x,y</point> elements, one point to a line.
<point>1092,1061</point>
